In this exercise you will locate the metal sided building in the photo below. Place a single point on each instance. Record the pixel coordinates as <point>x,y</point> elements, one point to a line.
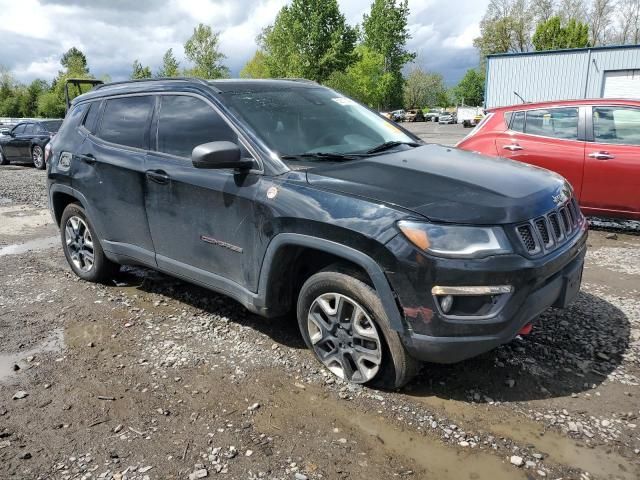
<point>598,72</point>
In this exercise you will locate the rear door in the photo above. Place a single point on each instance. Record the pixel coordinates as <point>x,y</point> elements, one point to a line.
<point>549,138</point>
<point>109,172</point>
<point>25,140</point>
<point>612,161</point>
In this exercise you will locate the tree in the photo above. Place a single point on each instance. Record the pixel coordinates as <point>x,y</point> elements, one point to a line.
<point>422,89</point>
<point>552,35</point>
<point>576,9</point>
<point>256,67</point>
<point>138,71</point>
<point>365,80</point>
<point>29,98</point>
<point>470,90</point>
<point>542,10</point>
<point>385,32</point>
<point>170,66</point>
<point>309,39</point>
<point>73,60</point>
<point>202,50</point>
<point>629,22</point>
<point>505,27</point>
<point>600,19</point>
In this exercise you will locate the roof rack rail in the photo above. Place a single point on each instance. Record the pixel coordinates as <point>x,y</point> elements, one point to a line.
<point>298,79</point>
<point>77,82</point>
<point>142,80</point>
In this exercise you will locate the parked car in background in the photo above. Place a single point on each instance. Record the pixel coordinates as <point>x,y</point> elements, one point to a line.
<point>398,115</point>
<point>26,142</point>
<point>414,116</point>
<point>447,118</point>
<point>291,198</point>
<point>595,144</point>
<point>469,116</point>
<point>433,116</point>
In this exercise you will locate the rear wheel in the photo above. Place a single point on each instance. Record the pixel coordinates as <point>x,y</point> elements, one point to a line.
<point>342,320</point>
<point>82,247</point>
<point>37,155</point>
<point>3,158</point>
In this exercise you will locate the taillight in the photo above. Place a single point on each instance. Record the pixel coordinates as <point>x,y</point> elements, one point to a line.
<point>47,151</point>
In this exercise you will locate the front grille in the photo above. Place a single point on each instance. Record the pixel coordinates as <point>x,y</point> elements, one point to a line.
<point>546,233</point>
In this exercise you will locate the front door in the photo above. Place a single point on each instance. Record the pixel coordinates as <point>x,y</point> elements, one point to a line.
<point>547,138</point>
<point>612,162</point>
<point>13,148</point>
<point>203,222</point>
<point>108,170</point>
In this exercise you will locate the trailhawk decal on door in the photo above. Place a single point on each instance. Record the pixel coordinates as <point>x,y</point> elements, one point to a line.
<point>220,243</point>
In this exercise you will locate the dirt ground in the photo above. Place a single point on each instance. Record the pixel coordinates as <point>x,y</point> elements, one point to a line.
<point>150,377</point>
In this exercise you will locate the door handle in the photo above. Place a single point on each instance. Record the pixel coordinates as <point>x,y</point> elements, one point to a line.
<point>513,147</point>
<point>601,155</point>
<point>158,176</point>
<point>88,158</point>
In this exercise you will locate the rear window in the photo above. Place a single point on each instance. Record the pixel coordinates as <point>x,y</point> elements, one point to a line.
<point>517,122</point>
<point>91,118</point>
<point>554,123</point>
<point>125,121</point>
<point>51,125</point>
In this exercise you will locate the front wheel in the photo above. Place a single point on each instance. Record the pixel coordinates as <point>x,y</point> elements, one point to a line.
<point>343,321</point>
<point>82,247</point>
<point>37,155</point>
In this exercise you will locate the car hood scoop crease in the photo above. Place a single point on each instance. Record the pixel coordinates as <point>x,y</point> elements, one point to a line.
<point>447,185</point>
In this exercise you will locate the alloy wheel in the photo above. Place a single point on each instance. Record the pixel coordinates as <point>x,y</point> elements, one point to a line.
<point>38,156</point>
<point>79,243</point>
<point>344,337</point>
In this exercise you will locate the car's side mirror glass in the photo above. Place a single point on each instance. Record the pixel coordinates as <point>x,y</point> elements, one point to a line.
<point>220,155</point>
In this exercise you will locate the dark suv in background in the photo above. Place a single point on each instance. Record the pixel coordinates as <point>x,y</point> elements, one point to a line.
<point>26,142</point>
<point>289,197</point>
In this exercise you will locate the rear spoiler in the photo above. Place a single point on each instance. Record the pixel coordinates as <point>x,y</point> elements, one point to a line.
<point>77,82</point>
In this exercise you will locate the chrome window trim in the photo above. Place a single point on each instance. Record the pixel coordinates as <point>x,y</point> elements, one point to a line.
<point>534,135</point>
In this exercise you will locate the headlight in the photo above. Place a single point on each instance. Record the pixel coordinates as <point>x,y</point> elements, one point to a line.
<point>456,240</point>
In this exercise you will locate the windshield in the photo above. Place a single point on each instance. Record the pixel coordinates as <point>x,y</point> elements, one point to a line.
<point>51,125</point>
<point>294,121</point>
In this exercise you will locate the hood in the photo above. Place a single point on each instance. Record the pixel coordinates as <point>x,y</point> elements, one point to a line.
<point>447,185</point>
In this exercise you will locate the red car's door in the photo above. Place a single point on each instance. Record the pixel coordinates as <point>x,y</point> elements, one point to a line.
<point>612,162</point>
<point>546,138</point>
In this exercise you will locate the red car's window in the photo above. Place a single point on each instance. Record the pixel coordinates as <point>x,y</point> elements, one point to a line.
<point>553,122</point>
<point>618,125</point>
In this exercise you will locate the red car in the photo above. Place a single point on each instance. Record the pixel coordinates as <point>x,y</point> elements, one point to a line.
<point>595,144</point>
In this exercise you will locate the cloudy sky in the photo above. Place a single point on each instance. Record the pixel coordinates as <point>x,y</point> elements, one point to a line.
<point>112,33</point>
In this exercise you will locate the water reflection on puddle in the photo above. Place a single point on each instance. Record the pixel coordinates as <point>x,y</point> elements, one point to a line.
<point>53,343</point>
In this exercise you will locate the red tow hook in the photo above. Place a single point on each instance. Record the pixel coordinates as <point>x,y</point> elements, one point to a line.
<point>526,330</point>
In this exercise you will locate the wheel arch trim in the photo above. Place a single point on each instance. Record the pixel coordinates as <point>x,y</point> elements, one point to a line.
<point>376,274</point>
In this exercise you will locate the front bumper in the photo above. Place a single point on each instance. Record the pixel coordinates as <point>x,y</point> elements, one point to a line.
<point>434,337</point>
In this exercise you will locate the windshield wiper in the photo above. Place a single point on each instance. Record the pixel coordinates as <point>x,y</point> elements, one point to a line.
<point>339,157</point>
<point>389,145</point>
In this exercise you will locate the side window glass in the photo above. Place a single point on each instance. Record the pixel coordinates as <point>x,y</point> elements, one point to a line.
<point>616,125</point>
<point>28,130</point>
<point>185,122</point>
<point>92,116</point>
<point>125,121</point>
<point>517,122</point>
<point>19,129</point>
<point>554,123</point>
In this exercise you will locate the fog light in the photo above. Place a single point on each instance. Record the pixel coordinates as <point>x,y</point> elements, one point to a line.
<point>446,303</point>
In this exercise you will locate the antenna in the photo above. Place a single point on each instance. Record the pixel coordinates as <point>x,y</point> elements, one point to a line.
<point>520,97</point>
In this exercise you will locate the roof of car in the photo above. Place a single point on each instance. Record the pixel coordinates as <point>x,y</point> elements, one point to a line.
<point>562,103</point>
<point>168,84</point>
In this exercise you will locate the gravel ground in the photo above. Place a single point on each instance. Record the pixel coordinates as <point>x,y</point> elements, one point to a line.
<point>150,377</point>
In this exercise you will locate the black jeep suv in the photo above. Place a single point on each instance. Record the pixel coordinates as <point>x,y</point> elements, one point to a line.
<point>288,196</point>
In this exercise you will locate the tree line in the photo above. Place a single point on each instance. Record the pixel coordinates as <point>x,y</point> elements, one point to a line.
<point>369,61</point>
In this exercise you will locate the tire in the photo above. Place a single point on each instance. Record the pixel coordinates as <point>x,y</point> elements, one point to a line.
<point>387,364</point>
<point>3,158</point>
<point>76,231</point>
<point>37,156</point>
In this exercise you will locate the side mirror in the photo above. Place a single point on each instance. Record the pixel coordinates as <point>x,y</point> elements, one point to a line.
<point>219,155</point>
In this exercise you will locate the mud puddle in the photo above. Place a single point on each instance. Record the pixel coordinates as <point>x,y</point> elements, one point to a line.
<point>30,246</point>
<point>556,448</point>
<point>54,343</point>
<point>431,458</point>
